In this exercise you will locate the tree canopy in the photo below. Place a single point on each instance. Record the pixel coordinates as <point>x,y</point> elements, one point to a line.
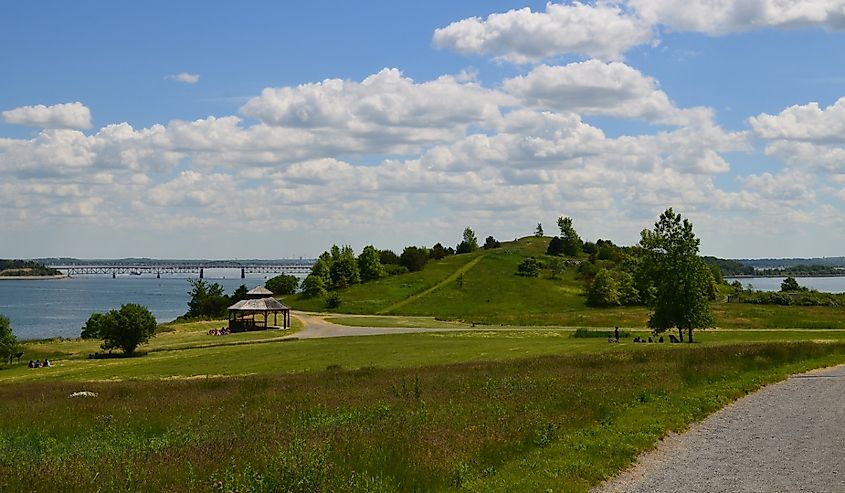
<point>414,258</point>
<point>682,281</point>
<point>571,243</point>
<point>539,231</point>
<point>8,342</point>
<point>123,329</point>
<point>790,284</point>
<point>469,243</point>
<point>282,284</point>
<point>369,264</point>
<point>207,299</point>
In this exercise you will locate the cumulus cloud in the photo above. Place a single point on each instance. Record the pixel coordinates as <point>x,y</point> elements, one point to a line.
<point>596,88</point>
<point>601,31</point>
<point>717,17</point>
<point>184,77</point>
<point>67,115</point>
<point>805,122</point>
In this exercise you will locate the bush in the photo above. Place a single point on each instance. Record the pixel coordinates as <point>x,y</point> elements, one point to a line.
<point>313,286</point>
<point>395,269</point>
<point>333,300</point>
<point>529,267</point>
<point>583,333</point>
<point>283,284</point>
<point>491,243</point>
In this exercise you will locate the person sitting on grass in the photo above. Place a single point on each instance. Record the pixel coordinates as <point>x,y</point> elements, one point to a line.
<point>31,364</point>
<point>38,363</point>
<point>47,363</point>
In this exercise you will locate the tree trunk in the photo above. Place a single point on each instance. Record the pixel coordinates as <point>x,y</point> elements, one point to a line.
<point>680,334</point>
<point>689,332</point>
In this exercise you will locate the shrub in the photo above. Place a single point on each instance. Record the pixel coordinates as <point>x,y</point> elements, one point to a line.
<point>529,267</point>
<point>333,300</point>
<point>123,329</point>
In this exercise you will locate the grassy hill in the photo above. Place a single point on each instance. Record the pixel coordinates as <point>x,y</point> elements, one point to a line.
<point>492,294</point>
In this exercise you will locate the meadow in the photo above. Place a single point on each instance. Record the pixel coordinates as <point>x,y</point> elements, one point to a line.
<point>503,397</point>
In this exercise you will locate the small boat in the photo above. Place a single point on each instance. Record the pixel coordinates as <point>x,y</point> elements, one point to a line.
<point>135,273</point>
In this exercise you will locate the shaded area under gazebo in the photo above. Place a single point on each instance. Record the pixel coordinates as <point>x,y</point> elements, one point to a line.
<point>243,315</point>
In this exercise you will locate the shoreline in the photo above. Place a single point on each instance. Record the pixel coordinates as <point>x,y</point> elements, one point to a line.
<point>33,278</point>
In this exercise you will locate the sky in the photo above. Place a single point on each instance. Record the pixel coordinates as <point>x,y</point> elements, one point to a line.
<point>202,129</point>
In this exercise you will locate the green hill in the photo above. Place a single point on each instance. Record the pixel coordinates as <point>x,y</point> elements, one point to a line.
<point>491,292</point>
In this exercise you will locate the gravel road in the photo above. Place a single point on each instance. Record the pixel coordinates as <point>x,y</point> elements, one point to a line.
<point>787,437</point>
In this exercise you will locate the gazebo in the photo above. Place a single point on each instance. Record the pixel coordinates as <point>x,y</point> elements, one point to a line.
<point>258,293</point>
<point>242,315</point>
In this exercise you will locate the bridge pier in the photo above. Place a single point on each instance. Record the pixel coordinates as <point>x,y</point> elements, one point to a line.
<point>243,273</point>
<point>201,273</point>
<point>113,275</point>
<point>158,275</point>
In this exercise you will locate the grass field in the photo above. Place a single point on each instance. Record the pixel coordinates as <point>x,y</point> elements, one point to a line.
<point>542,423</point>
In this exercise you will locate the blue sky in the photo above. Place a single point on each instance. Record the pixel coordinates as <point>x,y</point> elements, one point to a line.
<point>269,129</point>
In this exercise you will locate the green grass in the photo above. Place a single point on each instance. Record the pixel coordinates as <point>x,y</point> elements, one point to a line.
<point>560,422</point>
<point>395,321</point>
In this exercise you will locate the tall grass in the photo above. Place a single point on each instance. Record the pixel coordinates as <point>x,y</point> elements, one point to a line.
<point>557,422</point>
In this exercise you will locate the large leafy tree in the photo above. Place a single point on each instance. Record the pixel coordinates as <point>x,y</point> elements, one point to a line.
<point>369,264</point>
<point>123,329</point>
<point>681,279</point>
<point>344,270</point>
<point>282,284</point>
<point>469,243</point>
<point>207,299</point>
<point>8,342</point>
<point>414,258</point>
<point>571,243</point>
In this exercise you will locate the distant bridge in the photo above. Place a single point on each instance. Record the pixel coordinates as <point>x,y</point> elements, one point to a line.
<point>292,267</point>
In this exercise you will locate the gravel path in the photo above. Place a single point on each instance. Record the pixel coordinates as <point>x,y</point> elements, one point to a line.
<point>315,327</point>
<point>787,437</point>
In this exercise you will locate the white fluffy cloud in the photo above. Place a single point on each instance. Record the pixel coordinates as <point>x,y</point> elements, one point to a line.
<point>602,31</point>
<point>596,88</point>
<point>726,16</point>
<point>66,115</point>
<point>184,77</point>
<point>805,122</point>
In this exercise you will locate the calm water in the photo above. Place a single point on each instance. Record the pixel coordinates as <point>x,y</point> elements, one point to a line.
<point>825,284</point>
<point>59,308</point>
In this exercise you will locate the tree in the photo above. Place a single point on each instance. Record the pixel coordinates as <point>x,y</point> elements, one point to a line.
<point>681,278</point>
<point>604,290</point>
<point>344,268</point>
<point>469,243</point>
<point>282,284</point>
<point>555,247</point>
<point>239,294</point>
<point>529,267</point>
<point>9,345</point>
<point>369,264</point>
<point>571,242</point>
<point>438,252</point>
<point>789,284</point>
<point>93,327</point>
<point>413,258</point>
<point>126,328</point>
<point>490,243</point>
<point>313,286</point>
<point>387,257</point>
<point>207,299</point>
<point>539,231</point>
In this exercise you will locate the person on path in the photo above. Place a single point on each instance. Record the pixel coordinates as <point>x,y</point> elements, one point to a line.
<point>616,334</point>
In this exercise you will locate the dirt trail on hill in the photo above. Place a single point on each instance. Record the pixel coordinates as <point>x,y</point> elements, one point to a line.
<point>787,437</point>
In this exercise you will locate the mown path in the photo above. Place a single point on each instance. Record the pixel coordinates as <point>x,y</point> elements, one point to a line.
<point>452,278</point>
<point>787,437</point>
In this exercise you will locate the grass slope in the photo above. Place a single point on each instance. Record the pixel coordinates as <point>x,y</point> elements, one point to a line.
<point>493,294</point>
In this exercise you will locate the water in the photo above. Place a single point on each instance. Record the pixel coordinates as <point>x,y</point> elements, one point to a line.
<point>40,309</point>
<point>824,284</point>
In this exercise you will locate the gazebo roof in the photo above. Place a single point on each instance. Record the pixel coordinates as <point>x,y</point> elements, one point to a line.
<point>259,291</point>
<point>259,305</point>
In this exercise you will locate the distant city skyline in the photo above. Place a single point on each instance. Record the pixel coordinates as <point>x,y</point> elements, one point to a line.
<point>266,130</point>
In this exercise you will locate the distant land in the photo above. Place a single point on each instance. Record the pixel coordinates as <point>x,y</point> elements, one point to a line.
<point>777,263</point>
<point>154,261</point>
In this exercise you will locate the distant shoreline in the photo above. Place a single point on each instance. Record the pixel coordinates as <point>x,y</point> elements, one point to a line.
<point>33,278</point>
<point>747,276</point>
